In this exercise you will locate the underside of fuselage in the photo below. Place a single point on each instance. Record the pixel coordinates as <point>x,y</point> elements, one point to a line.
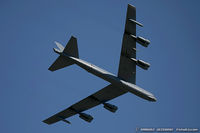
<point>116,81</point>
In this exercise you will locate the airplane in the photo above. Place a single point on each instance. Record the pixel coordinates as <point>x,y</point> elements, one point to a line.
<point>122,83</point>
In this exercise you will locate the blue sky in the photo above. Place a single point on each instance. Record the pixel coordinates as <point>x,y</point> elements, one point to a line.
<point>29,93</point>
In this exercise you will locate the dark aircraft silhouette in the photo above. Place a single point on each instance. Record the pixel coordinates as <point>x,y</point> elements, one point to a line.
<point>122,83</point>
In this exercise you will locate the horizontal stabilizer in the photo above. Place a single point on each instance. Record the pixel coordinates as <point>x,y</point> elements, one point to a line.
<point>60,62</point>
<point>60,46</point>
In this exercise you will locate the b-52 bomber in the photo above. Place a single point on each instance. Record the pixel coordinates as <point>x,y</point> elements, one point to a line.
<point>122,83</point>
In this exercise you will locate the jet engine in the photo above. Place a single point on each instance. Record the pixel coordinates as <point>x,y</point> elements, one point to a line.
<point>86,117</point>
<point>110,107</point>
<point>144,42</point>
<point>141,63</point>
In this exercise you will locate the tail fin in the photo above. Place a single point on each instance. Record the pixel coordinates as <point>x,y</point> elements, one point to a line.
<point>70,49</point>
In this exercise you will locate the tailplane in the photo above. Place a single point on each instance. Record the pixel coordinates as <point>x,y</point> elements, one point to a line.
<point>71,49</point>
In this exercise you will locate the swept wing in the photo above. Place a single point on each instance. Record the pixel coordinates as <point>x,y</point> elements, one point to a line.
<point>127,67</point>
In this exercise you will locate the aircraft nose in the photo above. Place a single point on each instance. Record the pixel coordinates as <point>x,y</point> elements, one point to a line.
<point>152,98</point>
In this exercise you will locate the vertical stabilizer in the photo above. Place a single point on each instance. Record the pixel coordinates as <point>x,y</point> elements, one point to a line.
<point>72,48</point>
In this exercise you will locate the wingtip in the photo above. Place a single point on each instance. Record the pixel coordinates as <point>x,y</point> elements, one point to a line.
<point>50,69</point>
<point>73,37</point>
<point>45,121</point>
<point>132,6</point>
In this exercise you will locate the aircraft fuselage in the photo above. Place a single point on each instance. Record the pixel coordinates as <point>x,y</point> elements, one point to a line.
<point>113,79</point>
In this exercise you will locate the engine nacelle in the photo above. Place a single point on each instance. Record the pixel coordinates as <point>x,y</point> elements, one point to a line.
<point>144,42</point>
<point>86,117</point>
<point>141,63</point>
<point>110,107</point>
